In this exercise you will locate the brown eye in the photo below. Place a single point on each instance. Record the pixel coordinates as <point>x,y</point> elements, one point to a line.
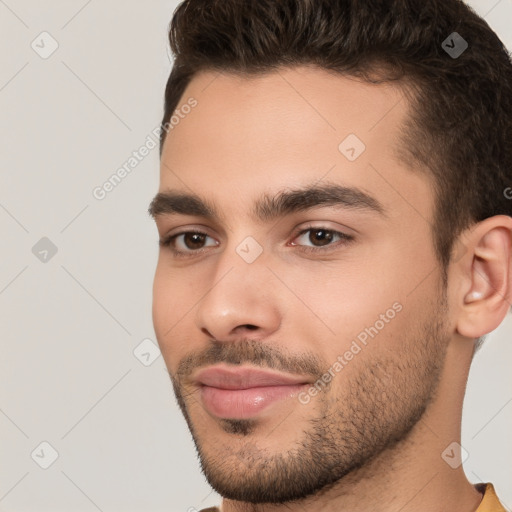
<point>317,238</point>
<point>322,236</point>
<point>193,240</point>
<point>187,243</point>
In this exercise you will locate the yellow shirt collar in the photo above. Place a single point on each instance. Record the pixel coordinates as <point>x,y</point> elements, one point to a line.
<point>490,502</point>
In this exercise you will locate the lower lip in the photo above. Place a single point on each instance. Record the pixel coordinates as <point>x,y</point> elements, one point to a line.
<point>244,403</point>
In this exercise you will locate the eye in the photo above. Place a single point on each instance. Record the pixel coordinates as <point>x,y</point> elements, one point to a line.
<point>192,242</point>
<point>187,242</point>
<point>321,237</point>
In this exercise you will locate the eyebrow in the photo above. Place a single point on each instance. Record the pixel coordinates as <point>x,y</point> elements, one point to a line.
<point>268,208</point>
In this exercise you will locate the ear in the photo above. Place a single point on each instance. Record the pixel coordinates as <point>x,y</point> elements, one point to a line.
<point>484,293</point>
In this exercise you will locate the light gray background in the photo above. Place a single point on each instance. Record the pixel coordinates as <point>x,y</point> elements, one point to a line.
<point>69,325</point>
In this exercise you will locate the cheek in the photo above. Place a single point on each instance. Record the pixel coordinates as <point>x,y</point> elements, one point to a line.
<point>174,297</point>
<point>161,298</point>
<point>169,303</point>
<point>341,302</point>
<point>340,295</point>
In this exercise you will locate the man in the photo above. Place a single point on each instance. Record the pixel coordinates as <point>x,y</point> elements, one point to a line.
<point>335,234</point>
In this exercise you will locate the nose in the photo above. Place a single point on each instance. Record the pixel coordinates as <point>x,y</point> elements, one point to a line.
<point>239,301</point>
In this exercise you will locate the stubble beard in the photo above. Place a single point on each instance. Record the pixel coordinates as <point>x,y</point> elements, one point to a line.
<point>369,412</point>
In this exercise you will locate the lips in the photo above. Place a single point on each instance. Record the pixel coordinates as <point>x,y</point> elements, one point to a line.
<point>245,378</point>
<point>245,392</point>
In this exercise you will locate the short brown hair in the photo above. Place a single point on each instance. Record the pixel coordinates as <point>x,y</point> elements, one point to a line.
<point>460,125</point>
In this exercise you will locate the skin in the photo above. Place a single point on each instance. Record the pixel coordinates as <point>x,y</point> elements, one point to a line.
<point>376,433</point>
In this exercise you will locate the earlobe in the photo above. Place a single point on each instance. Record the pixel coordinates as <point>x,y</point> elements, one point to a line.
<point>486,303</point>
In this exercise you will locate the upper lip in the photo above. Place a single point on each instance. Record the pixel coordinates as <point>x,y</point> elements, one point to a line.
<point>244,378</point>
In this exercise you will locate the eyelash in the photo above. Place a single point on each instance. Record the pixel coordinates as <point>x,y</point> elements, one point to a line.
<point>344,239</point>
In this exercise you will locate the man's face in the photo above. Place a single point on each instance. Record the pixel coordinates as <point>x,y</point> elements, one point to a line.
<point>258,290</point>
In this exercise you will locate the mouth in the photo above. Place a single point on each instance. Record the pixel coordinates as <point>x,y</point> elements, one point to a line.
<point>245,392</point>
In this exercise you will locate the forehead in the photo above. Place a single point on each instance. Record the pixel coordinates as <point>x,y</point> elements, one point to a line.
<point>293,127</point>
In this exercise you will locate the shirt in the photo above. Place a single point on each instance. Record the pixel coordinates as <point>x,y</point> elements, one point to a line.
<point>489,503</point>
